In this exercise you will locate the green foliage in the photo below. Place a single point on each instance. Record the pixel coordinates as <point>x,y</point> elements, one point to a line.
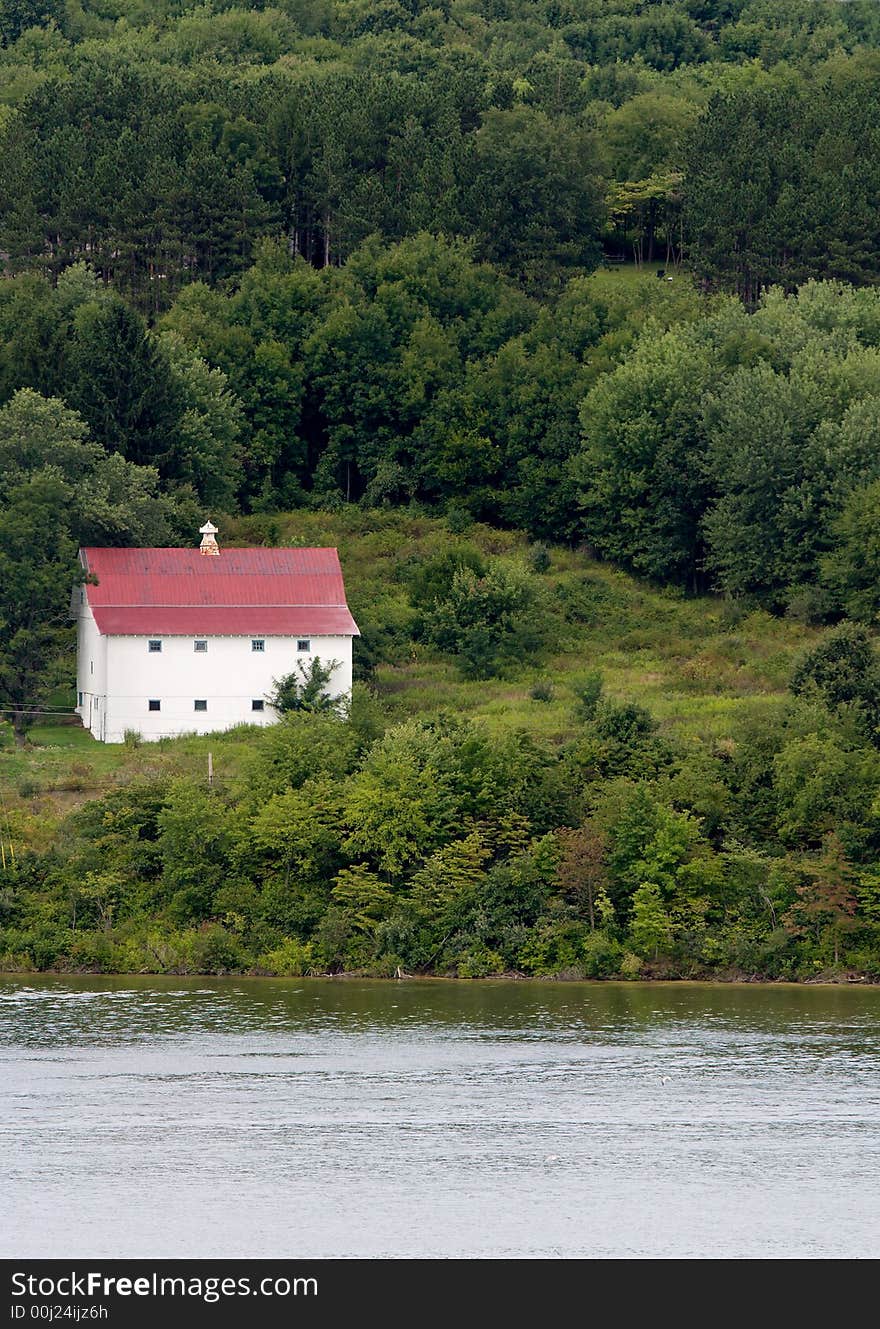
<point>194,844</point>
<point>361,897</point>
<point>826,902</point>
<point>851,568</point>
<point>822,786</point>
<point>16,16</point>
<point>305,688</point>
<point>533,199</point>
<point>641,472</point>
<point>431,581</point>
<point>539,558</point>
<point>32,618</point>
<point>784,449</point>
<point>779,181</point>
<point>732,445</point>
<point>295,833</point>
<point>588,691</point>
<point>303,745</point>
<point>649,846</point>
<point>651,926</point>
<point>627,724</point>
<point>844,672</point>
<point>542,690</point>
<point>620,739</point>
<point>122,384</point>
<point>417,784</point>
<point>291,959</point>
<point>57,489</point>
<point>208,429</point>
<point>487,621</point>
<point>263,259</point>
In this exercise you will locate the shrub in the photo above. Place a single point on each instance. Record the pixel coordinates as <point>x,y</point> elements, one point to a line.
<point>291,959</point>
<point>630,965</point>
<point>93,951</point>
<point>217,950</point>
<point>458,518</point>
<point>431,581</point>
<point>588,691</point>
<point>601,955</point>
<point>479,962</point>
<point>305,688</point>
<point>300,747</point>
<point>624,722</point>
<point>539,558</point>
<point>554,946</point>
<point>851,570</point>
<point>842,670</point>
<point>16,962</point>
<point>487,621</point>
<point>809,604</point>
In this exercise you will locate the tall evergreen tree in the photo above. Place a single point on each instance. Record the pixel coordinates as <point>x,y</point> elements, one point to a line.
<point>123,385</point>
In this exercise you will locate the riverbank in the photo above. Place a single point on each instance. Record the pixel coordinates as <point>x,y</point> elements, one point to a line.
<point>727,979</point>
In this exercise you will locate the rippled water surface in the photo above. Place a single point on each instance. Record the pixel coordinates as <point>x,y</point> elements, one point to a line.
<point>307,1117</point>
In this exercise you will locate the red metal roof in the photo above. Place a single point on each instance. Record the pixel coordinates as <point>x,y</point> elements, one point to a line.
<point>243,592</point>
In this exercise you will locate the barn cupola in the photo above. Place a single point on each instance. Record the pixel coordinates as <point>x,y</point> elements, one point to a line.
<point>209,544</point>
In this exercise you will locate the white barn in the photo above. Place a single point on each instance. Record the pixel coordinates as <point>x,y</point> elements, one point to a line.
<point>176,641</point>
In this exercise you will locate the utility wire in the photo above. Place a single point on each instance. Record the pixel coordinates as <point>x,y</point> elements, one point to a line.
<point>24,710</point>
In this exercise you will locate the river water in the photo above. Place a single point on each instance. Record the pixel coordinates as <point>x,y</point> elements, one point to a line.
<point>308,1118</point>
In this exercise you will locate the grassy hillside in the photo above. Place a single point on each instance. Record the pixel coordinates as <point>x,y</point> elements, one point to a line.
<point>700,665</point>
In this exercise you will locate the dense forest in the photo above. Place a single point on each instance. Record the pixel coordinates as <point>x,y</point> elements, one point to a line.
<point>605,273</point>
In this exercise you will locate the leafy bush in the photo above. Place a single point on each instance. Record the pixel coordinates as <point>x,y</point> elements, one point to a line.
<point>624,722</point>
<point>843,671</point>
<point>488,622</point>
<point>539,558</point>
<point>601,955</point>
<point>478,962</point>
<point>588,693</point>
<point>305,688</point>
<point>851,568</point>
<point>431,581</point>
<point>554,946</point>
<point>291,959</point>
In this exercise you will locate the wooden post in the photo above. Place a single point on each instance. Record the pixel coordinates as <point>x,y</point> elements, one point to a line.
<point>210,769</point>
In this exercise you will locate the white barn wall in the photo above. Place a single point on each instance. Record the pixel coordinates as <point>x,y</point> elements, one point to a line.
<point>91,671</point>
<point>229,675</point>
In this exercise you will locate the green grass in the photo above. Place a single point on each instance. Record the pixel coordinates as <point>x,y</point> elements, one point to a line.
<point>61,736</point>
<point>699,666</point>
<point>696,663</point>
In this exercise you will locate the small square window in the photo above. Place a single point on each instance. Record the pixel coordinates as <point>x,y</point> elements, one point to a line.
<point>258,644</point>
<point>154,705</point>
<point>154,647</point>
<point>303,644</point>
<point>258,704</point>
<point>200,705</point>
<point>200,647</point>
